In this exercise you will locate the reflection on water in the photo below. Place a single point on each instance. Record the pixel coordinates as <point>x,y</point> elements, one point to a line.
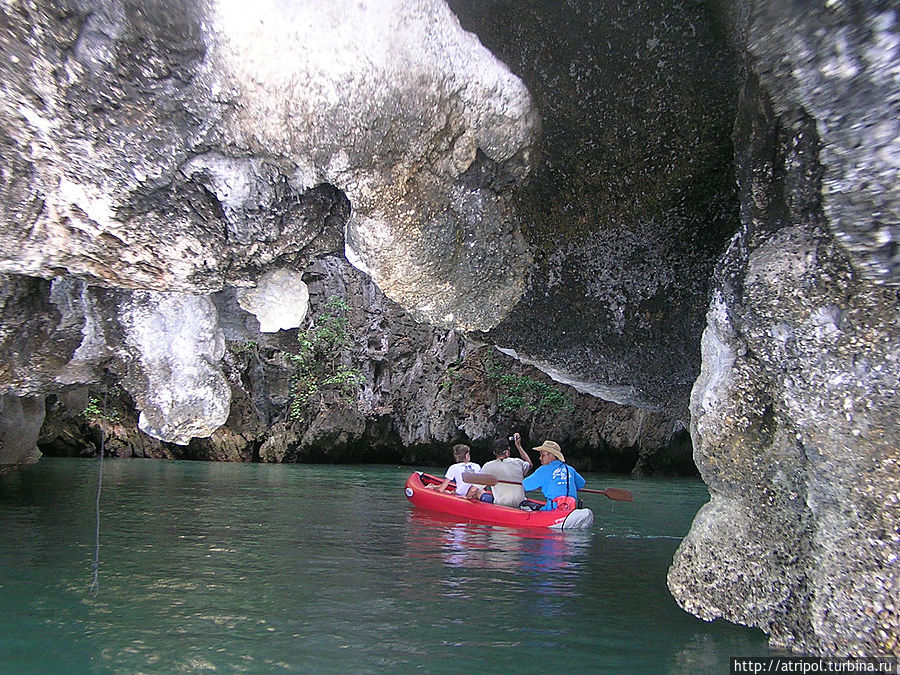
<point>488,547</point>
<point>530,575</point>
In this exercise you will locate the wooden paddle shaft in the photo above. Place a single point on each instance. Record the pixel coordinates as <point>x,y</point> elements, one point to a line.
<point>488,479</point>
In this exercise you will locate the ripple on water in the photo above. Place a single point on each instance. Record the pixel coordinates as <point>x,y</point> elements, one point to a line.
<point>249,569</point>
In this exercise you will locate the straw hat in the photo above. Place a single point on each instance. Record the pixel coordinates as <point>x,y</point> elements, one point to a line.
<point>553,448</point>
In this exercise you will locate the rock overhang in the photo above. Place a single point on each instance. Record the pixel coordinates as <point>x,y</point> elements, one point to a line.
<point>175,152</point>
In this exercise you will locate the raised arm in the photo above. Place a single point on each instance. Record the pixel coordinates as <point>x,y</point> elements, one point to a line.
<point>517,439</point>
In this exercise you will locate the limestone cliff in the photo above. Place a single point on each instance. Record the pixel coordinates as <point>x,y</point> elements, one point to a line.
<point>424,388</point>
<point>164,157</point>
<point>169,151</point>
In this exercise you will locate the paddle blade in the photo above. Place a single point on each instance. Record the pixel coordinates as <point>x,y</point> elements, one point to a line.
<point>479,478</point>
<point>618,494</point>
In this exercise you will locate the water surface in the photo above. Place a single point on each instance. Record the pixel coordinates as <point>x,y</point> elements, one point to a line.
<point>303,568</point>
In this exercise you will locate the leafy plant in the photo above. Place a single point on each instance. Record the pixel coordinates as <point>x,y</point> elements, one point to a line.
<point>97,410</point>
<point>523,392</point>
<point>318,366</point>
<point>249,347</point>
<point>451,374</point>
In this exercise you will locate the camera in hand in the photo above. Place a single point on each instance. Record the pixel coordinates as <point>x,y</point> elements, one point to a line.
<point>512,442</point>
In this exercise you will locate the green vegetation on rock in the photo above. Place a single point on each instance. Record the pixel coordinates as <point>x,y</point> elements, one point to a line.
<point>317,365</point>
<point>523,392</point>
<point>97,409</point>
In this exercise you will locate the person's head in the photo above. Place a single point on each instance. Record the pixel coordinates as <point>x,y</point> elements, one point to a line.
<point>550,451</point>
<point>501,448</point>
<point>461,452</point>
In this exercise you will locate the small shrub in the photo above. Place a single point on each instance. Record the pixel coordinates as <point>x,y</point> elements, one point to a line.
<point>317,365</point>
<point>97,410</point>
<point>523,392</point>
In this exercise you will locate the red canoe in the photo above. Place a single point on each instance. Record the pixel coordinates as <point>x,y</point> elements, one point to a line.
<point>493,514</point>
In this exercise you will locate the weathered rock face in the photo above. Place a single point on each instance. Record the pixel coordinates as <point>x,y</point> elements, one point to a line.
<point>176,344</point>
<point>189,149</point>
<point>796,413</point>
<point>425,388</point>
<point>188,136</point>
<point>341,88</point>
<point>633,198</point>
<point>20,423</point>
<point>166,153</point>
<point>840,65</point>
<point>179,150</point>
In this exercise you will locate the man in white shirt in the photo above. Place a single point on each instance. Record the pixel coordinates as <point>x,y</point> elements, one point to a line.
<point>508,468</point>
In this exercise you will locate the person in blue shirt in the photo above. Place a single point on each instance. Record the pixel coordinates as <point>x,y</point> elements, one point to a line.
<point>557,480</point>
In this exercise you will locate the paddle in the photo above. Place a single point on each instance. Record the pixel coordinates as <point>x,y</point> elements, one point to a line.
<point>618,494</point>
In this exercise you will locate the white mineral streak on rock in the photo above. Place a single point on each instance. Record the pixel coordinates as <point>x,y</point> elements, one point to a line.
<point>377,235</point>
<point>229,177</point>
<point>74,301</point>
<point>279,302</point>
<point>712,386</point>
<point>176,344</point>
<point>96,206</point>
<point>388,101</point>
<point>621,395</point>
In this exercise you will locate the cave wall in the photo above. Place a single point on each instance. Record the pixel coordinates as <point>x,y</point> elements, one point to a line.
<point>156,154</point>
<point>795,414</point>
<point>425,388</point>
<point>632,197</point>
<point>161,155</point>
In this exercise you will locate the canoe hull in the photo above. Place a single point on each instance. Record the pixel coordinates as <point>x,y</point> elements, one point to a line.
<point>493,514</point>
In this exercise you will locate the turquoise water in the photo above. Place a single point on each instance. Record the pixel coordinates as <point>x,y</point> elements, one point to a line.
<point>209,567</point>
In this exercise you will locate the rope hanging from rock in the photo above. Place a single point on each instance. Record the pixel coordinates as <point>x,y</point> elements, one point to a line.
<point>95,566</point>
